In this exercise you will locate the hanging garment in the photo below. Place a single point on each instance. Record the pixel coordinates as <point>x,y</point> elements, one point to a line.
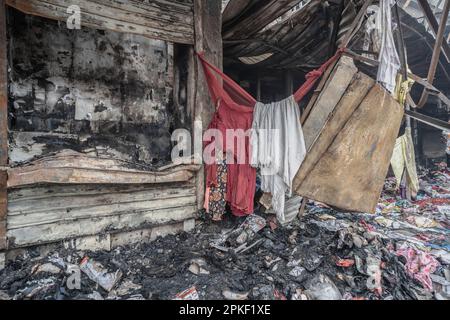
<point>235,111</point>
<point>371,42</point>
<point>291,209</point>
<point>446,135</point>
<point>277,148</point>
<point>388,56</point>
<point>403,160</point>
<point>402,88</point>
<point>217,193</point>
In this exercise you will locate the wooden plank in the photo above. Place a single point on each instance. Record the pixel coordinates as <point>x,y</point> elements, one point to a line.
<point>350,175</point>
<point>73,159</point>
<point>431,89</point>
<point>328,99</point>
<point>62,231</point>
<point>69,191</point>
<point>316,93</point>
<point>208,39</point>
<point>352,98</point>
<point>3,125</point>
<point>57,202</point>
<point>356,22</point>
<point>346,40</point>
<point>3,88</point>
<point>70,214</point>
<point>76,168</point>
<point>30,176</point>
<point>159,19</point>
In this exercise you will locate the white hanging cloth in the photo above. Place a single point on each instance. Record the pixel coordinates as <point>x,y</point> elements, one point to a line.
<point>388,56</point>
<point>277,148</point>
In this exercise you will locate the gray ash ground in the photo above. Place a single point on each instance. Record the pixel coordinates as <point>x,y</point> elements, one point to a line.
<point>160,269</point>
<point>323,255</point>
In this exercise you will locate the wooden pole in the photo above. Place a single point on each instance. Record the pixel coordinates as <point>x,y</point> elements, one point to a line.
<point>3,125</point>
<point>208,39</point>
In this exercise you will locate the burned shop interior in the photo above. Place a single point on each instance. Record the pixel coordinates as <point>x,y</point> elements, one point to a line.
<point>341,176</point>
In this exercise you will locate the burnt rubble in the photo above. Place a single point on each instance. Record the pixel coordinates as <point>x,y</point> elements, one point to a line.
<point>397,253</point>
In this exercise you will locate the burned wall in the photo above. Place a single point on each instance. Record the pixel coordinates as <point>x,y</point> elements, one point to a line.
<point>92,91</point>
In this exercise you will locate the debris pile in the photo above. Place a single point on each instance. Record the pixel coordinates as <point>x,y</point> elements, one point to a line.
<point>401,252</point>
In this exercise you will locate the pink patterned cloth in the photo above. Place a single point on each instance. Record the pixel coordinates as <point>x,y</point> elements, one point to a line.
<point>419,265</point>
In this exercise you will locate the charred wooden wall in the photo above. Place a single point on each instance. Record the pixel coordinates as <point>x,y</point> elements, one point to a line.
<point>90,116</point>
<point>45,214</point>
<point>101,92</point>
<point>113,90</point>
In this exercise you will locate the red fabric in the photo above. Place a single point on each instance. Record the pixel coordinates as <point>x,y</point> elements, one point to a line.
<point>314,75</point>
<point>235,111</point>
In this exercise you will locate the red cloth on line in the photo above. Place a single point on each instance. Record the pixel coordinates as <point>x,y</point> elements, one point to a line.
<point>313,76</point>
<point>235,111</point>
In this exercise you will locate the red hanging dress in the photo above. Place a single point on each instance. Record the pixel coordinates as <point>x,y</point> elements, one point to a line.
<point>235,111</point>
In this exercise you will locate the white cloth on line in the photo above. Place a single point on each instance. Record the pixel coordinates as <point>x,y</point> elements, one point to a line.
<point>388,56</point>
<point>277,148</point>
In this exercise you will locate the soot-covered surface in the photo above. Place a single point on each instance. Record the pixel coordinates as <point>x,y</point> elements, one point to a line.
<point>401,252</point>
<point>110,89</point>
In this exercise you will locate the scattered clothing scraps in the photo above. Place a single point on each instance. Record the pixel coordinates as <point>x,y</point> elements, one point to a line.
<point>419,265</point>
<point>277,148</point>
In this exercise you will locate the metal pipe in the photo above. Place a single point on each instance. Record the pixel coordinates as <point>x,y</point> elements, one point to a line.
<point>436,52</point>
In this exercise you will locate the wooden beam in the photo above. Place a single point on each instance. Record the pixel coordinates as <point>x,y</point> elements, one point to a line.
<point>345,106</point>
<point>3,88</point>
<point>208,39</point>
<point>357,22</point>
<point>436,52</point>
<point>434,26</point>
<point>160,19</point>
<point>336,86</point>
<point>74,168</point>
<point>407,3</point>
<point>346,40</point>
<point>350,174</point>
<point>3,125</point>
